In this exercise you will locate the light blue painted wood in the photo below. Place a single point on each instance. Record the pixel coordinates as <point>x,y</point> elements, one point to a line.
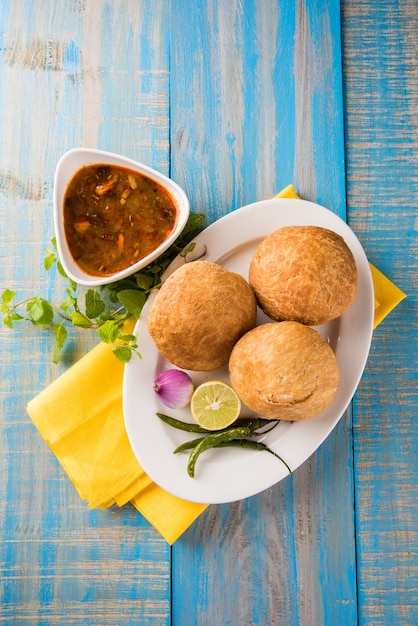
<point>236,100</point>
<point>256,103</point>
<point>72,73</point>
<point>252,110</point>
<point>276,558</point>
<point>381,84</point>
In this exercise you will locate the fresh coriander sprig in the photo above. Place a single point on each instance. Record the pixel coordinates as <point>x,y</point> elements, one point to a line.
<point>103,309</point>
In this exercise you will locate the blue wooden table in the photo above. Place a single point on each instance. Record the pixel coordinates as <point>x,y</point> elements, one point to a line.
<point>235,100</point>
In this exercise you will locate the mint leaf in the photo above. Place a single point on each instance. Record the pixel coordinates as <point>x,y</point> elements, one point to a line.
<point>132,300</point>
<point>127,338</point>
<point>60,338</point>
<point>195,222</point>
<point>112,315</point>
<point>49,260</point>
<point>70,301</point>
<point>6,297</point>
<point>94,304</point>
<point>7,321</point>
<point>108,332</point>
<point>78,319</point>
<point>11,317</point>
<point>113,297</point>
<point>144,281</point>
<point>122,353</point>
<point>15,317</point>
<point>40,311</point>
<point>64,273</point>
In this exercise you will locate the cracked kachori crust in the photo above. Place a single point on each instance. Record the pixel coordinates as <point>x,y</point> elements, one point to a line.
<point>284,370</point>
<point>306,274</point>
<point>199,313</point>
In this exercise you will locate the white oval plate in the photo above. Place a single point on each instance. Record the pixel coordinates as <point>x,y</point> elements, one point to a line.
<point>227,475</point>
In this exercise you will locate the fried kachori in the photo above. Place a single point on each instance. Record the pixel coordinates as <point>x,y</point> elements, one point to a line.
<point>306,274</point>
<point>199,313</point>
<point>284,370</point>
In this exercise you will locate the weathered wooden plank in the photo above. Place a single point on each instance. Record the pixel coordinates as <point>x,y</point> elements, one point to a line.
<point>91,73</point>
<point>250,113</point>
<point>256,103</point>
<point>381,85</point>
<point>254,107</point>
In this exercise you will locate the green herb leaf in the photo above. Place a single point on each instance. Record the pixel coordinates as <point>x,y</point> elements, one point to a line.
<point>127,338</point>
<point>70,301</point>
<point>40,311</point>
<point>113,297</point>
<point>11,317</point>
<point>64,274</point>
<point>49,260</point>
<point>7,321</point>
<point>94,304</point>
<point>6,298</point>
<point>122,353</point>
<point>110,314</point>
<point>108,332</point>
<point>60,333</point>
<point>133,301</point>
<point>195,223</point>
<point>144,281</point>
<point>78,319</point>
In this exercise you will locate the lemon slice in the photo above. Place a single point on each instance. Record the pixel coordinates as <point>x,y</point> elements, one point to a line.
<point>215,405</point>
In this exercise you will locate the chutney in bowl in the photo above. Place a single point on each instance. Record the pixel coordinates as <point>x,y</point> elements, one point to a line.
<point>113,216</point>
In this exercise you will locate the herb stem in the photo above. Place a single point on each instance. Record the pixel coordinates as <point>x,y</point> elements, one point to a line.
<point>15,306</point>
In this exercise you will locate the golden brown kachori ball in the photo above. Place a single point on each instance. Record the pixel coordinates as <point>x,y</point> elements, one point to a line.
<point>199,313</point>
<point>284,370</point>
<point>303,273</point>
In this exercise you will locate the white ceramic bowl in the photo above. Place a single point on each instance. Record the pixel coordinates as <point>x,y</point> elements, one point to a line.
<point>67,166</point>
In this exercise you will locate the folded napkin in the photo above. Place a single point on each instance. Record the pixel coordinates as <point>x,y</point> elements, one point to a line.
<point>80,417</point>
<point>386,295</point>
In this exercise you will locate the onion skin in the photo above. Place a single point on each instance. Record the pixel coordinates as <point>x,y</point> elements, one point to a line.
<point>174,388</point>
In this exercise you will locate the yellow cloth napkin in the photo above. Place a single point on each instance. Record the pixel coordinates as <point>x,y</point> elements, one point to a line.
<point>80,417</point>
<point>386,295</point>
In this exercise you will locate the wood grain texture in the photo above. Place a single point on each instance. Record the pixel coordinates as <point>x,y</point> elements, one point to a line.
<point>256,103</point>
<point>381,85</point>
<point>71,74</point>
<point>259,109</point>
<point>236,99</point>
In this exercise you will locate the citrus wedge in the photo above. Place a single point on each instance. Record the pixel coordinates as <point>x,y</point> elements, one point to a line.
<point>215,405</point>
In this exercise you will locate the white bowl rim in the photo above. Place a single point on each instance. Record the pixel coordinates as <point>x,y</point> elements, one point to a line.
<point>69,163</point>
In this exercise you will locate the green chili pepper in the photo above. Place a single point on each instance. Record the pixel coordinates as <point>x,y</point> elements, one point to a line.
<point>234,436</point>
<point>190,428</point>
<point>188,445</point>
<point>247,444</point>
<point>251,445</point>
<point>211,441</point>
<point>254,423</point>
